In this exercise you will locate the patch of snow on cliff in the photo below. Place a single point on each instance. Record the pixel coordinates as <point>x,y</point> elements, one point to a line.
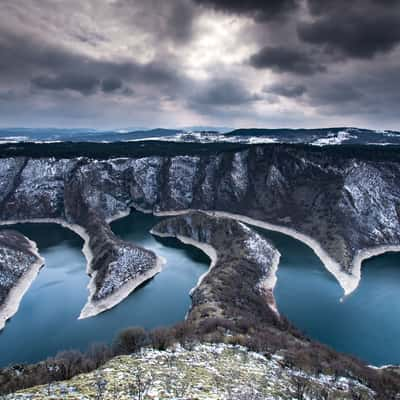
<point>13,265</point>
<point>208,185</point>
<point>182,173</point>
<point>258,249</point>
<point>373,197</point>
<point>145,186</point>
<point>239,173</point>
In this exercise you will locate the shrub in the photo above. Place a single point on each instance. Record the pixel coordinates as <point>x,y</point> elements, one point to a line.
<point>130,340</point>
<point>161,338</point>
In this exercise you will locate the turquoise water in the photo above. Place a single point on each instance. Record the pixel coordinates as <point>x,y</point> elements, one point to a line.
<point>46,321</point>
<point>365,324</point>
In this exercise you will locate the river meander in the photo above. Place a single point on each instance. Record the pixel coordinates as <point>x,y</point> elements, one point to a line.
<point>46,321</point>
<point>365,324</point>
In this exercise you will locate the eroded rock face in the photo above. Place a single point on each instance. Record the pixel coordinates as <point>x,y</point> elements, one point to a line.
<point>117,267</point>
<point>143,178</point>
<point>37,189</point>
<point>345,201</point>
<point>240,282</point>
<point>19,265</point>
<point>95,193</point>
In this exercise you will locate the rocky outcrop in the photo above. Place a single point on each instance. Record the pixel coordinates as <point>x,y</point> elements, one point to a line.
<point>19,265</point>
<point>116,267</point>
<point>241,278</point>
<point>343,202</point>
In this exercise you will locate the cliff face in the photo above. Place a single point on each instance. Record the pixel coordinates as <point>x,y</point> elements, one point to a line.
<point>19,265</point>
<point>347,202</point>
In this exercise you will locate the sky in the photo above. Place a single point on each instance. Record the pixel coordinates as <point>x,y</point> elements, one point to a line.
<point>111,64</point>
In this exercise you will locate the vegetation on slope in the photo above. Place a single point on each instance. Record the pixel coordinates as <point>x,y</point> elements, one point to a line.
<point>202,372</point>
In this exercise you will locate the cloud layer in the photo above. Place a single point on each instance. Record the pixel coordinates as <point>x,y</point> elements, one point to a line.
<point>126,63</point>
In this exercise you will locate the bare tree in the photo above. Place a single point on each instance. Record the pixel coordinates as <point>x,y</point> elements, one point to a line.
<point>51,370</point>
<point>300,386</point>
<point>231,390</point>
<point>130,340</point>
<point>161,338</point>
<point>320,393</point>
<point>357,394</point>
<point>177,385</point>
<point>116,390</point>
<point>171,360</point>
<point>98,354</point>
<point>69,362</point>
<point>250,393</point>
<point>100,384</point>
<point>141,384</point>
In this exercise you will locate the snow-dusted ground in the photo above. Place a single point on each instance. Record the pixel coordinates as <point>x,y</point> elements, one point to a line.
<point>206,372</point>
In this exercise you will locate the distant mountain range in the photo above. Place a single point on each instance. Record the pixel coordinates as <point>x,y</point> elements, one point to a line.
<point>203,134</point>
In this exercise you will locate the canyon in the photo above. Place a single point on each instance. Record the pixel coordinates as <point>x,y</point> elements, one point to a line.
<point>343,204</point>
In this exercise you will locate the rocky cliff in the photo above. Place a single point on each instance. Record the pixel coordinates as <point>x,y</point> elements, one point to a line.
<point>343,203</point>
<point>19,265</point>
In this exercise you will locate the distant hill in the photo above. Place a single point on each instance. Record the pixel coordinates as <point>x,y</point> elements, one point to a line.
<point>79,135</point>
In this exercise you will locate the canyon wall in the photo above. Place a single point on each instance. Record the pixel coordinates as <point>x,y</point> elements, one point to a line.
<point>343,202</point>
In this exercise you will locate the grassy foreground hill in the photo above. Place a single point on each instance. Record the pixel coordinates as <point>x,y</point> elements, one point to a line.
<point>204,371</point>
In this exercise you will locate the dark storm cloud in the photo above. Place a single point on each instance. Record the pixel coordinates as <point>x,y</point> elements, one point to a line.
<point>20,55</point>
<point>358,29</point>
<point>84,84</point>
<point>140,59</point>
<point>366,94</point>
<point>179,24</point>
<point>321,7</point>
<point>111,85</point>
<point>354,35</point>
<point>47,62</point>
<point>52,68</point>
<point>261,10</point>
<point>286,90</point>
<point>284,59</point>
<point>335,94</point>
